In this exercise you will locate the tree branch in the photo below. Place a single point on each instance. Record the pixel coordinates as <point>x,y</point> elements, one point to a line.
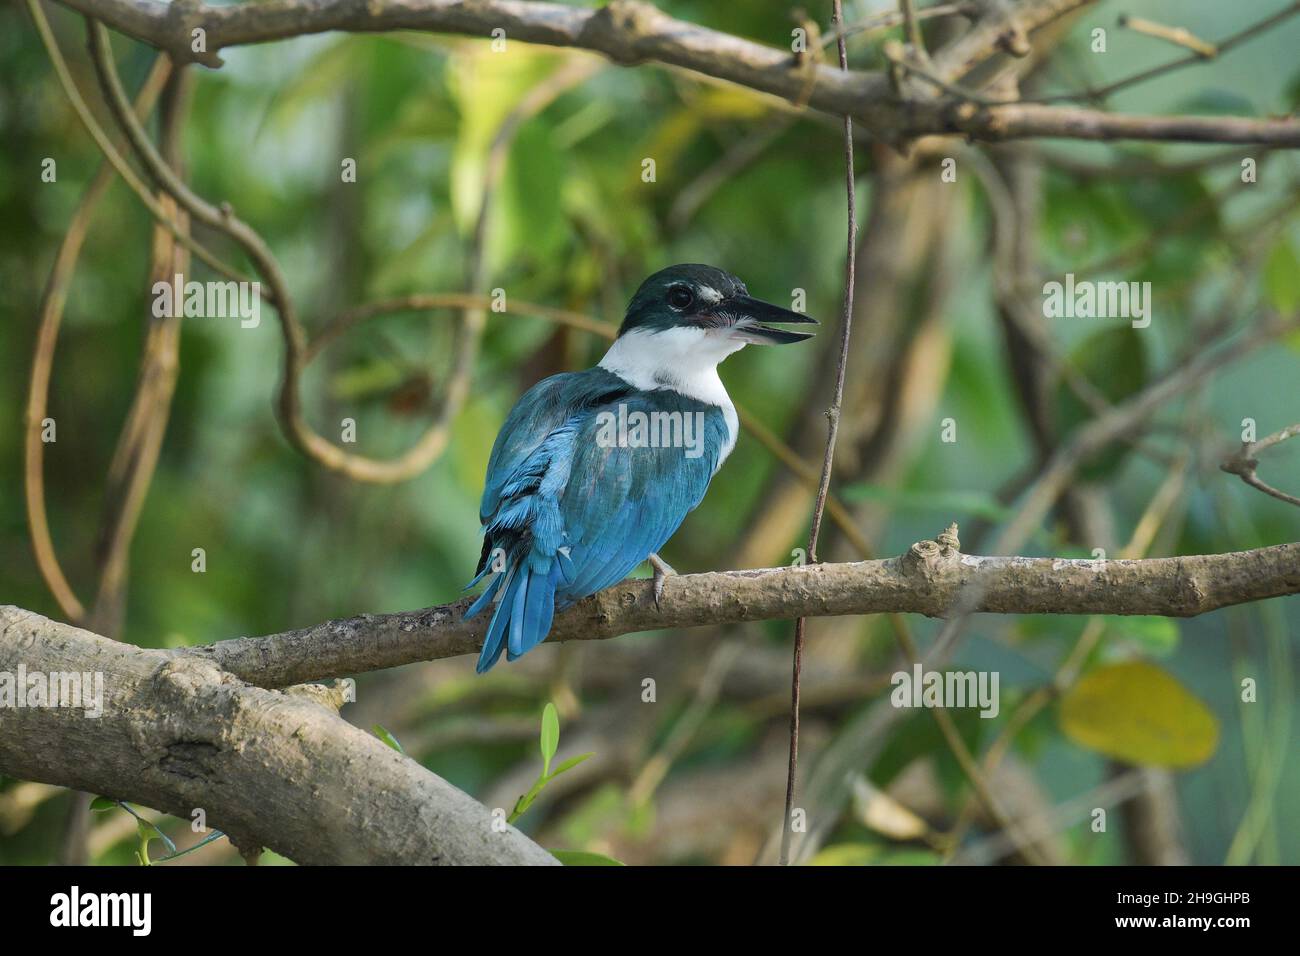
<point>926,580</point>
<point>268,768</point>
<point>195,728</point>
<point>630,32</point>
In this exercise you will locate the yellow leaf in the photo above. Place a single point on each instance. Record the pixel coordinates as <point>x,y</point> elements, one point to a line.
<point>1138,713</point>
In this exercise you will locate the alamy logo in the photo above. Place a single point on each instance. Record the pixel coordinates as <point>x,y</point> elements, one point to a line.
<point>1098,300</point>
<point>957,689</point>
<point>34,689</point>
<point>103,909</point>
<point>215,300</point>
<point>639,429</point>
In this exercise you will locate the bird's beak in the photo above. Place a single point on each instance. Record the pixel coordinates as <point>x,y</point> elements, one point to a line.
<point>751,318</point>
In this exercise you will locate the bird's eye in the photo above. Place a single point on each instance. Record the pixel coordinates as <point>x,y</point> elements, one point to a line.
<point>680,297</point>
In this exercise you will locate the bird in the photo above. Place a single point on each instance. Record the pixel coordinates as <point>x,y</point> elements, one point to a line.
<point>593,471</point>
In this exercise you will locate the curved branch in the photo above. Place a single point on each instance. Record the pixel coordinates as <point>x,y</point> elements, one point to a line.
<point>53,299</point>
<point>929,580</point>
<point>272,769</point>
<point>298,353</point>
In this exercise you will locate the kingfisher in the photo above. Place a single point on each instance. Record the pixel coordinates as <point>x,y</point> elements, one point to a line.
<point>594,471</point>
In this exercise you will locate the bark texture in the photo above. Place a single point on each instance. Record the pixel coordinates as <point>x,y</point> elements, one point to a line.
<point>931,579</point>
<point>630,32</point>
<point>270,768</point>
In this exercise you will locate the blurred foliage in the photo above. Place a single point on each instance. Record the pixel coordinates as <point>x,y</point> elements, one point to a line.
<point>574,226</point>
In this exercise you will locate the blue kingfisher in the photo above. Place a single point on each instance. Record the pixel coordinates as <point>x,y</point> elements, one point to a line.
<point>593,471</point>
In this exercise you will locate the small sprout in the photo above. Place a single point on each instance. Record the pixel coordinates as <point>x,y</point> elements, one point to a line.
<point>379,731</point>
<point>550,743</point>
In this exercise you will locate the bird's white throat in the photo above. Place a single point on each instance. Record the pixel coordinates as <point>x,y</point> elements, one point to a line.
<point>684,360</point>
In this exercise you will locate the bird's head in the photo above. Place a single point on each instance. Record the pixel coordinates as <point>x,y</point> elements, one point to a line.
<point>698,302</point>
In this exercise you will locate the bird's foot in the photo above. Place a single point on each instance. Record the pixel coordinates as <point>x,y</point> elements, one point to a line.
<point>662,570</point>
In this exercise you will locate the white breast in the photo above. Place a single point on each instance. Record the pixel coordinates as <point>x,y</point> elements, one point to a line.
<point>685,360</point>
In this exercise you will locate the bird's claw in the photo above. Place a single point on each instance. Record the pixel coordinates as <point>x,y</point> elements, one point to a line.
<point>662,570</point>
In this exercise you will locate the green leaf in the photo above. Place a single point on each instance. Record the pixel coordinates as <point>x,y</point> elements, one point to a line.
<point>1292,93</point>
<point>846,854</point>
<point>1282,278</point>
<point>321,79</point>
<point>919,736</point>
<point>569,765</point>
<point>1113,360</point>
<point>583,858</point>
<point>366,380</point>
<point>870,854</point>
<point>1155,635</point>
<point>530,219</point>
<point>484,88</point>
<point>1138,713</point>
<point>550,736</point>
<point>100,804</point>
<point>379,731</point>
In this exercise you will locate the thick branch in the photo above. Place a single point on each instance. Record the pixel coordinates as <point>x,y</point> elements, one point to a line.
<point>269,768</point>
<point>631,32</point>
<point>927,580</point>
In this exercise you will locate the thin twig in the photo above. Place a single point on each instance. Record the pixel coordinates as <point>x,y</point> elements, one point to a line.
<point>1222,46</point>
<point>833,424</point>
<point>1179,36</point>
<point>1245,461</point>
<point>892,18</point>
<point>1123,419</point>
<point>912,28</point>
<point>896,54</point>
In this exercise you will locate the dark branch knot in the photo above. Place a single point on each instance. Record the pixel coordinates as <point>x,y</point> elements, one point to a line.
<point>618,28</point>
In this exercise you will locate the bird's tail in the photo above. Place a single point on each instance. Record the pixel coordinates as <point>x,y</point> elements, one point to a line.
<point>525,606</point>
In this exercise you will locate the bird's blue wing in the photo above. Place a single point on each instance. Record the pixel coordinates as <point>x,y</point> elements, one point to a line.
<point>622,503</point>
<point>571,512</point>
<point>543,408</point>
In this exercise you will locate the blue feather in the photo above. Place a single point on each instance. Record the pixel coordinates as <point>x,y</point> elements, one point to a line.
<point>486,596</point>
<point>575,514</point>
<point>494,641</point>
<point>517,604</point>
<point>539,608</point>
